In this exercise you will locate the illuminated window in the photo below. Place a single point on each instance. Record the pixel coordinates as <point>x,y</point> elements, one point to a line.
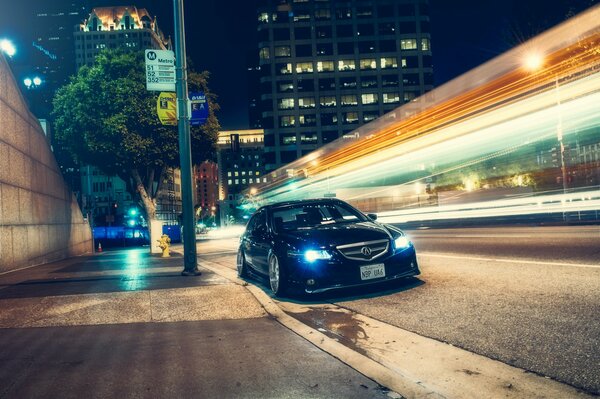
<point>346,65</point>
<point>284,69</point>
<point>328,101</point>
<point>237,181</point>
<point>243,181</point>
<point>288,139</point>
<point>425,44</point>
<point>264,179</point>
<point>283,51</point>
<point>307,102</point>
<point>304,67</point>
<point>369,98</point>
<point>368,63</point>
<point>351,117</point>
<point>390,98</point>
<point>389,62</point>
<point>349,100</point>
<point>237,173</point>
<point>263,17</point>
<point>230,182</point>
<point>309,138</point>
<point>251,180</point>
<point>229,174</point>
<point>286,103</point>
<point>288,120</point>
<point>409,96</point>
<point>325,66</point>
<point>264,53</point>
<point>408,44</point>
<point>301,17</point>
<point>307,120</point>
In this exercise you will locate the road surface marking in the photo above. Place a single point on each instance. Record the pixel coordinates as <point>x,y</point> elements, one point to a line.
<point>533,262</point>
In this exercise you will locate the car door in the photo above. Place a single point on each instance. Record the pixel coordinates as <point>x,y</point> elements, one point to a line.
<point>259,241</point>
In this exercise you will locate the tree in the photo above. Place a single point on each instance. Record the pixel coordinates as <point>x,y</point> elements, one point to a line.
<point>105,117</point>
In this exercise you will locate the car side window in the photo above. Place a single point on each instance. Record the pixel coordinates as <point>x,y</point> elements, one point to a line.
<point>261,223</point>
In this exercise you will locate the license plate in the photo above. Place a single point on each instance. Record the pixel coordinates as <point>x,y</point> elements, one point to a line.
<point>372,271</point>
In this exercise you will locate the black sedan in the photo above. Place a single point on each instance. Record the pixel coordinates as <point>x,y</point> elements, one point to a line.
<point>322,244</point>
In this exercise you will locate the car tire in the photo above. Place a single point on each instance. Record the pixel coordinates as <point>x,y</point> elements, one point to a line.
<point>277,279</point>
<point>241,265</point>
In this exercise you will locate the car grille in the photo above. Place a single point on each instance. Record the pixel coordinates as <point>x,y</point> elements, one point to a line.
<point>368,250</point>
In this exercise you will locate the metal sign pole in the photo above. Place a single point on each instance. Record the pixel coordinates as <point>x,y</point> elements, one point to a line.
<point>190,267</point>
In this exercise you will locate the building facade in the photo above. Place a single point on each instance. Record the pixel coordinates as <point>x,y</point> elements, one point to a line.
<point>207,192</point>
<point>241,167</point>
<point>116,27</point>
<point>328,67</point>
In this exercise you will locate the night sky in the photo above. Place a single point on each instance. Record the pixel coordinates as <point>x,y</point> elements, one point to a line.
<point>221,34</point>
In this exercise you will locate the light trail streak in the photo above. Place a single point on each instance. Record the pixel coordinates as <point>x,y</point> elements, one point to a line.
<point>500,128</point>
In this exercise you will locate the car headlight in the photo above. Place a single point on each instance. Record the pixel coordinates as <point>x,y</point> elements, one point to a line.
<point>312,255</point>
<point>401,242</point>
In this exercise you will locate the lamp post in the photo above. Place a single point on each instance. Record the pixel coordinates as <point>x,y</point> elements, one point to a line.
<point>190,267</point>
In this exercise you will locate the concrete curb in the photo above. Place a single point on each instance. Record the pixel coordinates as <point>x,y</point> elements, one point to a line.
<point>405,362</point>
<point>391,379</point>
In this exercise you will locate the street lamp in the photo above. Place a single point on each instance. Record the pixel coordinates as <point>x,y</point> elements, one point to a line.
<point>32,83</point>
<point>7,47</point>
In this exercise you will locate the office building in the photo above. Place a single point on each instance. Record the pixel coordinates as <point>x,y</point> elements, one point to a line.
<point>241,167</point>
<point>328,67</point>
<point>207,192</point>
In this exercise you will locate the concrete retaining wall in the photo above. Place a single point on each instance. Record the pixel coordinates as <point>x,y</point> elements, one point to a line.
<point>40,220</point>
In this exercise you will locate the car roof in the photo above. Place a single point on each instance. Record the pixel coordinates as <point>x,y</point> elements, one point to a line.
<point>302,202</point>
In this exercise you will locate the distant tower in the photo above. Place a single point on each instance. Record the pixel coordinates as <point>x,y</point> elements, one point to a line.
<point>328,67</point>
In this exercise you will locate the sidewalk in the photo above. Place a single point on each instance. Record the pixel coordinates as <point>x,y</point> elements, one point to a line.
<point>124,323</point>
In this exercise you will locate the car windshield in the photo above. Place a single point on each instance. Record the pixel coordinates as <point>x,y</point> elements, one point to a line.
<point>306,216</point>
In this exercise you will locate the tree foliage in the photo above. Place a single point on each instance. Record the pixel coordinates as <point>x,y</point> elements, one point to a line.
<point>105,117</point>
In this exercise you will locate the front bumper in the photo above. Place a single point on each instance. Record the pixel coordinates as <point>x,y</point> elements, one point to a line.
<point>339,272</point>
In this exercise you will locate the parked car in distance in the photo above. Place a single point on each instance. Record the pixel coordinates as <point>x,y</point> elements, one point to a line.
<point>322,244</point>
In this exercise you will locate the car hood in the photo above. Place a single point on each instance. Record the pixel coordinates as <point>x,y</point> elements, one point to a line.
<point>338,234</point>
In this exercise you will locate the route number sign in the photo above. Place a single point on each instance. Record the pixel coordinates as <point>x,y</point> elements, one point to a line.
<point>160,70</point>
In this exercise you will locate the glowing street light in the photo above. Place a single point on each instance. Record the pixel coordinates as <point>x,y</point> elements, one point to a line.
<point>32,83</point>
<point>7,47</point>
<point>533,61</point>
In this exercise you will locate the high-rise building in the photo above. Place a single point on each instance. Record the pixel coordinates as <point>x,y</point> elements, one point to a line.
<point>241,167</point>
<point>117,27</point>
<point>131,28</point>
<point>207,192</point>
<point>52,54</point>
<point>328,67</point>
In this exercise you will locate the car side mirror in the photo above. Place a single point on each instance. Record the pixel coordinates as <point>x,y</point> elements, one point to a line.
<point>372,216</point>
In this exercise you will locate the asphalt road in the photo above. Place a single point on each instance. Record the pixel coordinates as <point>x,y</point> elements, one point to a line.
<point>527,296</point>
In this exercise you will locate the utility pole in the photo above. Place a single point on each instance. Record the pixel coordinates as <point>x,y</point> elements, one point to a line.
<point>190,267</point>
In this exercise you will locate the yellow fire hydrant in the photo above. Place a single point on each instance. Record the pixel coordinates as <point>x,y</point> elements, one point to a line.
<point>164,243</point>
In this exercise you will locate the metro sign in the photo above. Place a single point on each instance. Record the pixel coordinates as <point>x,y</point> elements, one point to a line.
<point>160,70</point>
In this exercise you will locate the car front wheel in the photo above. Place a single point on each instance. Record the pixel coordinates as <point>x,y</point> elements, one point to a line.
<point>276,276</point>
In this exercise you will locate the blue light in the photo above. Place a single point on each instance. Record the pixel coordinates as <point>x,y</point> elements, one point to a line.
<point>402,242</point>
<point>131,223</point>
<point>133,212</point>
<point>312,255</point>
